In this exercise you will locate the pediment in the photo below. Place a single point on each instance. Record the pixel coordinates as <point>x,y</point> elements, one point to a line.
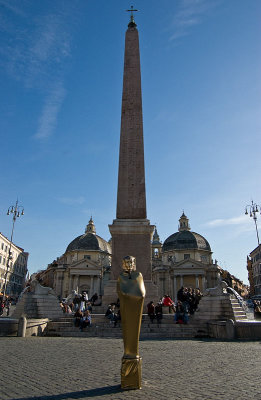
<point>190,263</point>
<point>82,265</point>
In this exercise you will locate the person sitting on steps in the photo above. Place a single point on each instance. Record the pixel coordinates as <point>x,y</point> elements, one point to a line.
<point>86,320</point>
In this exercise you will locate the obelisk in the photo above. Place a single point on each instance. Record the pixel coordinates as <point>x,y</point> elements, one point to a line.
<point>131,230</point>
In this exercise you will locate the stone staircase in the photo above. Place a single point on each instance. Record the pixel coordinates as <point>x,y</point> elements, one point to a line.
<point>239,313</point>
<point>220,307</point>
<point>101,327</point>
<point>211,308</point>
<point>33,305</point>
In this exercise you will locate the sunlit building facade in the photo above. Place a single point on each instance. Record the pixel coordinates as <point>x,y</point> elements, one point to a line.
<point>14,273</point>
<point>254,270</point>
<point>84,267</point>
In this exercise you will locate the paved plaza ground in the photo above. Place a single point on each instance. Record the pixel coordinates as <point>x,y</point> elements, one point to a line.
<point>42,368</point>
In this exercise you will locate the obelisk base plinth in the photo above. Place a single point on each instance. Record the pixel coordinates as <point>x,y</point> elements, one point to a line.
<point>131,373</point>
<point>110,294</point>
<point>131,236</point>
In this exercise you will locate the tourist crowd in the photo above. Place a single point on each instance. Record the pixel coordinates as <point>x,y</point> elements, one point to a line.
<point>79,302</point>
<point>79,305</point>
<point>82,313</point>
<point>186,304</point>
<point>5,305</point>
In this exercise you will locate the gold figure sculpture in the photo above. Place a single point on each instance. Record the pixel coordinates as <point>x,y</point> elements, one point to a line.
<point>131,292</point>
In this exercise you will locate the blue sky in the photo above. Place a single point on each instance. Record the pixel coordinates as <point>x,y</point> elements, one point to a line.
<point>61,81</point>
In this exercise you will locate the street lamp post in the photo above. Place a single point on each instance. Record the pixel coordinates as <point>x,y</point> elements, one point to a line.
<point>253,210</point>
<point>17,211</point>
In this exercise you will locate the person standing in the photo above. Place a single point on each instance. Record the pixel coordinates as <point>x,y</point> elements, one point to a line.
<point>158,312</point>
<point>151,311</point>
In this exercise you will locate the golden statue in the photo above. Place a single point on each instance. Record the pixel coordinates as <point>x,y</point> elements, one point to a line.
<point>131,292</point>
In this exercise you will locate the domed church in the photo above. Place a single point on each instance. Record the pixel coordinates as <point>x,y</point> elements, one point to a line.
<point>184,259</point>
<point>84,266</point>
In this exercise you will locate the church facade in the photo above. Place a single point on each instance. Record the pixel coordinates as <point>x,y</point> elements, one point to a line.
<point>184,259</point>
<point>84,267</point>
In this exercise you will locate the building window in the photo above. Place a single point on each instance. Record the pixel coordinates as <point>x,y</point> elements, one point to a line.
<point>186,256</point>
<point>2,246</point>
<point>3,261</point>
<point>87,257</point>
<point>204,258</point>
<point>0,259</point>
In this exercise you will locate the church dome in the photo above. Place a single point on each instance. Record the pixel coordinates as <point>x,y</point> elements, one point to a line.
<point>185,239</point>
<point>89,241</point>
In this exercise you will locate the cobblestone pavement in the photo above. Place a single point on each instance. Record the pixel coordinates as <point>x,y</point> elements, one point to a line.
<point>38,368</point>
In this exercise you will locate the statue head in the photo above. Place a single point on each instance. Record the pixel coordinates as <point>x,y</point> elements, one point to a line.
<point>129,264</point>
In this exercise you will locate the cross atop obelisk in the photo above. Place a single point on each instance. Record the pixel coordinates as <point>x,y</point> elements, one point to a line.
<point>132,16</point>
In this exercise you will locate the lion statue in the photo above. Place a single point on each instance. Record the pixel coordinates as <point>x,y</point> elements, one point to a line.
<point>220,289</point>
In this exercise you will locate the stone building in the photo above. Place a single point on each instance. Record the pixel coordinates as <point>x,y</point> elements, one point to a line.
<point>84,266</point>
<point>254,270</point>
<point>184,259</point>
<point>234,283</point>
<point>15,272</point>
<point>250,276</point>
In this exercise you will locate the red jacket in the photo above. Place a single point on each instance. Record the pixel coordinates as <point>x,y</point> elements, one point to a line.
<point>167,301</point>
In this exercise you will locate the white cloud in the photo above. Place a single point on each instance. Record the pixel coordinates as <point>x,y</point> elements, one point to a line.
<point>34,52</point>
<point>229,221</point>
<point>233,228</point>
<point>70,201</point>
<point>238,225</point>
<point>49,49</point>
<point>13,7</point>
<point>189,14</point>
<point>48,119</point>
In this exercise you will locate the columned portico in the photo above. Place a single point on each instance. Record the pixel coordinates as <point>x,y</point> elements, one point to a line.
<point>175,287</point>
<point>76,282</point>
<point>203,283</point>
<point>188,278</point>
<point>82,278</point>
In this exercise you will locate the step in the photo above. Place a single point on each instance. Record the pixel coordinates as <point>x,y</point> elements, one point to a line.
<point>174,327</point>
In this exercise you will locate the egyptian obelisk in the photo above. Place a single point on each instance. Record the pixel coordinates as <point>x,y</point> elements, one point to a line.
<point>131,230</point>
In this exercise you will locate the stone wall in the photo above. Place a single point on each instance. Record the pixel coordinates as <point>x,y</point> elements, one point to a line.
<point>34,327</point>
